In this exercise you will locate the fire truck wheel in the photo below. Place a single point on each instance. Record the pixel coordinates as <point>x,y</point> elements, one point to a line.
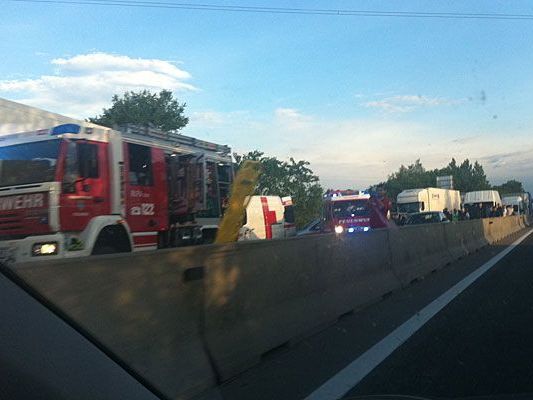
<point>103,250</point>
<point>112,239</point>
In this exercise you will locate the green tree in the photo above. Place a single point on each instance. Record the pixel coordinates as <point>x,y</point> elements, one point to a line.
<point>467,177</point>
<point>510,187</point>
<point>292,178</point>
<point>411,177</point>
<point>144,108</point>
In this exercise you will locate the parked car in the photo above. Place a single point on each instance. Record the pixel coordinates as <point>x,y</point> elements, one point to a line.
<point>312,228</point>
<point>433,217</point>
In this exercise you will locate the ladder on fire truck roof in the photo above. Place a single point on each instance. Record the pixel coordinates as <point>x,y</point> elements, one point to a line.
<point>173,139</point>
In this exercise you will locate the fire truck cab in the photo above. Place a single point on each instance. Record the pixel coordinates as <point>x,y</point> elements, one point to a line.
<point>346,211</point>
<point>75,190</point>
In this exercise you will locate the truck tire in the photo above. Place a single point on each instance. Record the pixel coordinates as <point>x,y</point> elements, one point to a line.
<point>209,236</point>
<point>112,239</point>
<point>99,250</point>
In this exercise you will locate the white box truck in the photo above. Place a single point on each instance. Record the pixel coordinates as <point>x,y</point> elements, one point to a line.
<point>429,199</point>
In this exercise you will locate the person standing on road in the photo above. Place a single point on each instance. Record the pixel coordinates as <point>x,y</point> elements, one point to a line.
<point>400,221</point>
<point>387,203</point>
<point>455,215</point>
<point>477,211</point>
<point>379,209</point>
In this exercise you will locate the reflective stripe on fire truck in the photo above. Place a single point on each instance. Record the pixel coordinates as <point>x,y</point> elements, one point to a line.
<point>144,241</point>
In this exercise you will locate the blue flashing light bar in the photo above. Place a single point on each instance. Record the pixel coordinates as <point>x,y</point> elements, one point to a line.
<point>65,128</point>
<point>340,193</point>
<point>357,229</point>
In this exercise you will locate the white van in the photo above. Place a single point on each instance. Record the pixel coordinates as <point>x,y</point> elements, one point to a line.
<point>268,217</point>
<point>516,202</point>
<point>479,203</point>
<point>483,196</point>
<point>429,199</point>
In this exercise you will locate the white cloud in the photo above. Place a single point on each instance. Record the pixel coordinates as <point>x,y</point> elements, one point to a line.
<point>207,118</point>
<point>291,119</point>
<point>353,151</point>
<point>359,152</point>
<point>203,122</point>
<point>407,103</point>
<point>83,84</point>
<point>288,113</point>
<point>95,62</point>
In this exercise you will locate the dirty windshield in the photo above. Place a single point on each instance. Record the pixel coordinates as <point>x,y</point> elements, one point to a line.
<point>266,199</point>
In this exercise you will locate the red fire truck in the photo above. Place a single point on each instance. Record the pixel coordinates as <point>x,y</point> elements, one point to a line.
<point>350,211</point>
<point>80,189</point>
<point>347,211</point>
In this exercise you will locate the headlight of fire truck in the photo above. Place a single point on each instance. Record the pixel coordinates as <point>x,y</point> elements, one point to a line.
<point>45,249</point>
<point>339,229</point>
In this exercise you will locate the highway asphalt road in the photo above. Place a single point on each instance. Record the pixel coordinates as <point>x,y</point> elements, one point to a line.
<point>481,343</point>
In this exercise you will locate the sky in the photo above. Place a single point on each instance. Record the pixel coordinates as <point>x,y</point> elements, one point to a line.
<point>355,96</point>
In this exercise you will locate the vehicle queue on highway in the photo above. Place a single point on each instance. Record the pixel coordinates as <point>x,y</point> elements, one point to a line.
<point>73,189</point>
<point>351,211</point>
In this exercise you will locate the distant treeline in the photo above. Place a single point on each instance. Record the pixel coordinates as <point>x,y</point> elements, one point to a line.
<point>467,177</point>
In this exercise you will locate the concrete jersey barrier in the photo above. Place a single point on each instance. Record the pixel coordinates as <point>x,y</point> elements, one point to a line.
<point>456,239</point>
<point>266,293</point>
<point>146,309</point>
<point>181,317</point>
<point>417,250</point>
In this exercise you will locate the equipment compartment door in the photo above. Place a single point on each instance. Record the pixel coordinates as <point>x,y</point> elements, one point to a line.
<point>146,188</point>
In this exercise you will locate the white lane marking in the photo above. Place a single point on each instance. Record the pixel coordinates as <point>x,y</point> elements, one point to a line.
<point>346,379</point>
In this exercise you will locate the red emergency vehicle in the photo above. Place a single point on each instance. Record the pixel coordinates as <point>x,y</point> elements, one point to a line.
<point>80,189</point>
<point>350,211</point>
<point>346,211</point>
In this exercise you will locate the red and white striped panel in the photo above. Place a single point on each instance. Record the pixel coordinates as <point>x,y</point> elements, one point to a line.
<point>144,241</point>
